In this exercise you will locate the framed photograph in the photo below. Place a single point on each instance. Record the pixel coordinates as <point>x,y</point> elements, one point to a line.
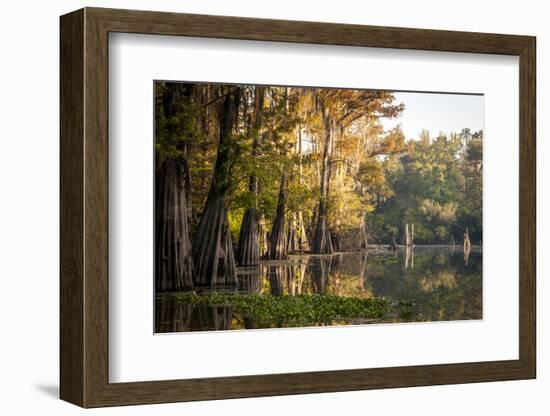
<point>256,207</point>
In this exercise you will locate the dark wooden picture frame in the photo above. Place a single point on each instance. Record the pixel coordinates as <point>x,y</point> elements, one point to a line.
<point>84,207</point>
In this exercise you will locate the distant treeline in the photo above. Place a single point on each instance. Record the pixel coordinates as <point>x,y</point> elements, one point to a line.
<point>435,184</point>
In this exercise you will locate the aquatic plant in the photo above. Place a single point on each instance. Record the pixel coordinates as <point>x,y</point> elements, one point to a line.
<point>268,311</point>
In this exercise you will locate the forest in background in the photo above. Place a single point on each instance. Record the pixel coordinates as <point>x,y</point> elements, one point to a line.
<point>246,172</point>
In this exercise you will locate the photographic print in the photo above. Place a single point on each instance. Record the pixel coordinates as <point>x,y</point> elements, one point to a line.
<point>289,206</point>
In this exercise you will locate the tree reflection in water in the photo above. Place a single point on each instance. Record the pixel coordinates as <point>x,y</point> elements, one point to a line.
<point>172,316</point>
<point>440,283</point>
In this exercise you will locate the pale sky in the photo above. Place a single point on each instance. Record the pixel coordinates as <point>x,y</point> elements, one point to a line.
<point>447,113</point>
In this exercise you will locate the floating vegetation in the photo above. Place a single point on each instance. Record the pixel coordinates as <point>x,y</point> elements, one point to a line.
<point>269,311</point>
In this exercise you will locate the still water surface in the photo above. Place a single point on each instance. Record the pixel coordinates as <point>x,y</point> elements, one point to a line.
<point>439,283</point>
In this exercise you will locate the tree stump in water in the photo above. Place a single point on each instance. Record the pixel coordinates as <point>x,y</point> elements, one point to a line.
<point>408,237</point>
<point>467,243</point>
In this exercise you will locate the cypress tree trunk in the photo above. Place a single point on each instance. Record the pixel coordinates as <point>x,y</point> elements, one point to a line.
<point>303,243</point>
<point>264,243</point>
<point>248,251</point>
<point>293,245</point>
<point>363,240</point>
<point>322,243</point>
<point>174,265</point>
<point>335,240</point>
<point>173,260</point>
<point>213,255</point>
<point>301,235</point>
<point>278,246</point>
<point>248,248</point>
<point>213,246</point>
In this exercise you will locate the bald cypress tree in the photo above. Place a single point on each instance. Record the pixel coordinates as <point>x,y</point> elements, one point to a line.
<point>278,242</point>
<point>173,262</point>
<point>213,255</point>
<point>248,248</point>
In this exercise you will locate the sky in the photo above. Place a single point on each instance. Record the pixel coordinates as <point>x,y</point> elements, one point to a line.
<point>447,113</point>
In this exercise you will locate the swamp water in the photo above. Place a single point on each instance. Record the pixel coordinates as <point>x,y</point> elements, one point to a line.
<point>379,286</point>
